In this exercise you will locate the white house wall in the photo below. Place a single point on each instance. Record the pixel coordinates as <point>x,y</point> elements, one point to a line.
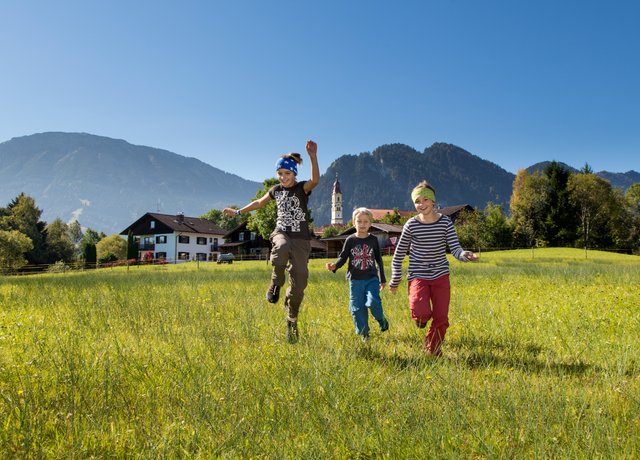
<point>192,247</point>
<point>172,248</point>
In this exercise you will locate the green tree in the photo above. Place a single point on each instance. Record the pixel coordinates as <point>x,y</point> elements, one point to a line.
<point>75,233</point>
<point>88,246</point>
<point>13,246</point>
<point>89,254</point>
<point>470,227</point>
<point>589,193</point>
<point>394,218</point>
<point>263,220</point>
<point>587,169</point>
<point>222,220</point>
<point>132,246</point>
<point>92,236</point>
<point>528,202</point>
<point>112,244</point>
<point>633,198</point>
<point>619,221</point>
<point>559,226</point>
<point>107,257</point>
<point>23,215</point>
<point>497,231</point>
<point>332,230</point>
<point>59,244</point>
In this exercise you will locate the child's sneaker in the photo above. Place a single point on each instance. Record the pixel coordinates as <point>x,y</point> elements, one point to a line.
<point>365,338</point>
<point>384,325</point>
<point>273,293</point>
<point>292,331</point>
<point>421,325</point>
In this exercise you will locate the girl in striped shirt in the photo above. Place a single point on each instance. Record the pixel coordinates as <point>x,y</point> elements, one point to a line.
<point>425,237</point>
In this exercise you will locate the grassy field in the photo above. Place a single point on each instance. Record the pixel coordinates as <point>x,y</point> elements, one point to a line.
<point>542,360</point>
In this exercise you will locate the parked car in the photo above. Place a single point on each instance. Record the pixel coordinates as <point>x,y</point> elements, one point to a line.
<point>225,258</point>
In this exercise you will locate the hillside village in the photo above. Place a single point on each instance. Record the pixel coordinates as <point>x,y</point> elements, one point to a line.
<point>179,238</point>
<point>548,205</point>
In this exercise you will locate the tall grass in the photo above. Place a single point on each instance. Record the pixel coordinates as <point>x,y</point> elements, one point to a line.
<point>541,361</point>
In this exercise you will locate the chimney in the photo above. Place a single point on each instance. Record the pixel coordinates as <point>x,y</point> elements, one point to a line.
<point>180,217</point>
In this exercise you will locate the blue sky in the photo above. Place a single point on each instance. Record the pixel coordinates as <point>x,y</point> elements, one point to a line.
<point>238,83</point>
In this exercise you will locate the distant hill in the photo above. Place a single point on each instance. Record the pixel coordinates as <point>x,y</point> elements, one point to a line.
<point>384,179</point>
<point>619,180</point>
<point>108,183</point>
<point>540,167</point>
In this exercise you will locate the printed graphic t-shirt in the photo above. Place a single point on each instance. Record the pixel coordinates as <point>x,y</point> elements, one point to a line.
<point>292,210</point>
<point>365,259</point>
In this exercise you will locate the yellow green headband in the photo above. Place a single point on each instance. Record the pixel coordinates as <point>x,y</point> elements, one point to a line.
<point>423,192</point>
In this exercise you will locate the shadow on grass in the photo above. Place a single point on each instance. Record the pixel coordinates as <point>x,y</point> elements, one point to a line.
<point>418,360</point>
<point>478,353</point>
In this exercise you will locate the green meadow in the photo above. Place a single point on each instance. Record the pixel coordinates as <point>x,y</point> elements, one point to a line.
<point>542,360</point>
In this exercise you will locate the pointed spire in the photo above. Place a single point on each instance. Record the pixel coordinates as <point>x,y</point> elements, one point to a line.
<point>336,186</point>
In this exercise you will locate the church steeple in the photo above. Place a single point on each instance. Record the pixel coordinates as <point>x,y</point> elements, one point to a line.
<point>336,203</point>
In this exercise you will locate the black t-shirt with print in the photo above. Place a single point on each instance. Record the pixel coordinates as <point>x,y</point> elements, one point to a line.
<point>292,210</point>
<point>364,256</point>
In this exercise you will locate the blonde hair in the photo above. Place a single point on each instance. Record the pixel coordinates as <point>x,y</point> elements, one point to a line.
<point>361,211</point>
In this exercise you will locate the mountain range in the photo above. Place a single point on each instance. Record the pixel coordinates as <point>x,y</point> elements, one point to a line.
<point>384,178</point>
<point>107,183</point>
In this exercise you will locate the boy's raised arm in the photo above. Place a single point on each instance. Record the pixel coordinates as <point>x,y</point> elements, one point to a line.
<point>312,150</point>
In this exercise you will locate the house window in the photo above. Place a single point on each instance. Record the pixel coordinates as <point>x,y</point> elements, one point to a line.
<point>146,244</point>
<point>215,244</point>
<point>201,256</point>
<point>253,236</point>
<point>241,236</point>
<point>201,240</point>
<point>161,239</point>
<point>183,256</point>
<point>152,224</point>
<point>183,239</point>
<point>161,255</point>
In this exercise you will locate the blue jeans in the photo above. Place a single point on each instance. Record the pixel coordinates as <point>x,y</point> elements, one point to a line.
<point>364,294</point>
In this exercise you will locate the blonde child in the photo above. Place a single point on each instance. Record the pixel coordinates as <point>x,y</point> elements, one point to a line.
<point>425,237</point>
<point>365,273</point>
<point>290,241</point>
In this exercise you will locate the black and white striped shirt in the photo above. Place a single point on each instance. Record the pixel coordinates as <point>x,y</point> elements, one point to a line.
<point>426,245</point>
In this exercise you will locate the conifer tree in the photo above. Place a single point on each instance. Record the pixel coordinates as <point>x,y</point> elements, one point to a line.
<point>132,246</point>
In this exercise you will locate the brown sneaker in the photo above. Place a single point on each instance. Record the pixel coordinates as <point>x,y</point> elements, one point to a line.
<point>273,293</point>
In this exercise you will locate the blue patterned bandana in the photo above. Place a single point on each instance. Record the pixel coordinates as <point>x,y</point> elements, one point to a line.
<point>287,163</point>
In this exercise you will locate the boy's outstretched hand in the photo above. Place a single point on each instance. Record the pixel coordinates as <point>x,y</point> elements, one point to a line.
<point>330,266</point>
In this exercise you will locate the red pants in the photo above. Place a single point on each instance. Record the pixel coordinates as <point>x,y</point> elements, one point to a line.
<point>429,299</point>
